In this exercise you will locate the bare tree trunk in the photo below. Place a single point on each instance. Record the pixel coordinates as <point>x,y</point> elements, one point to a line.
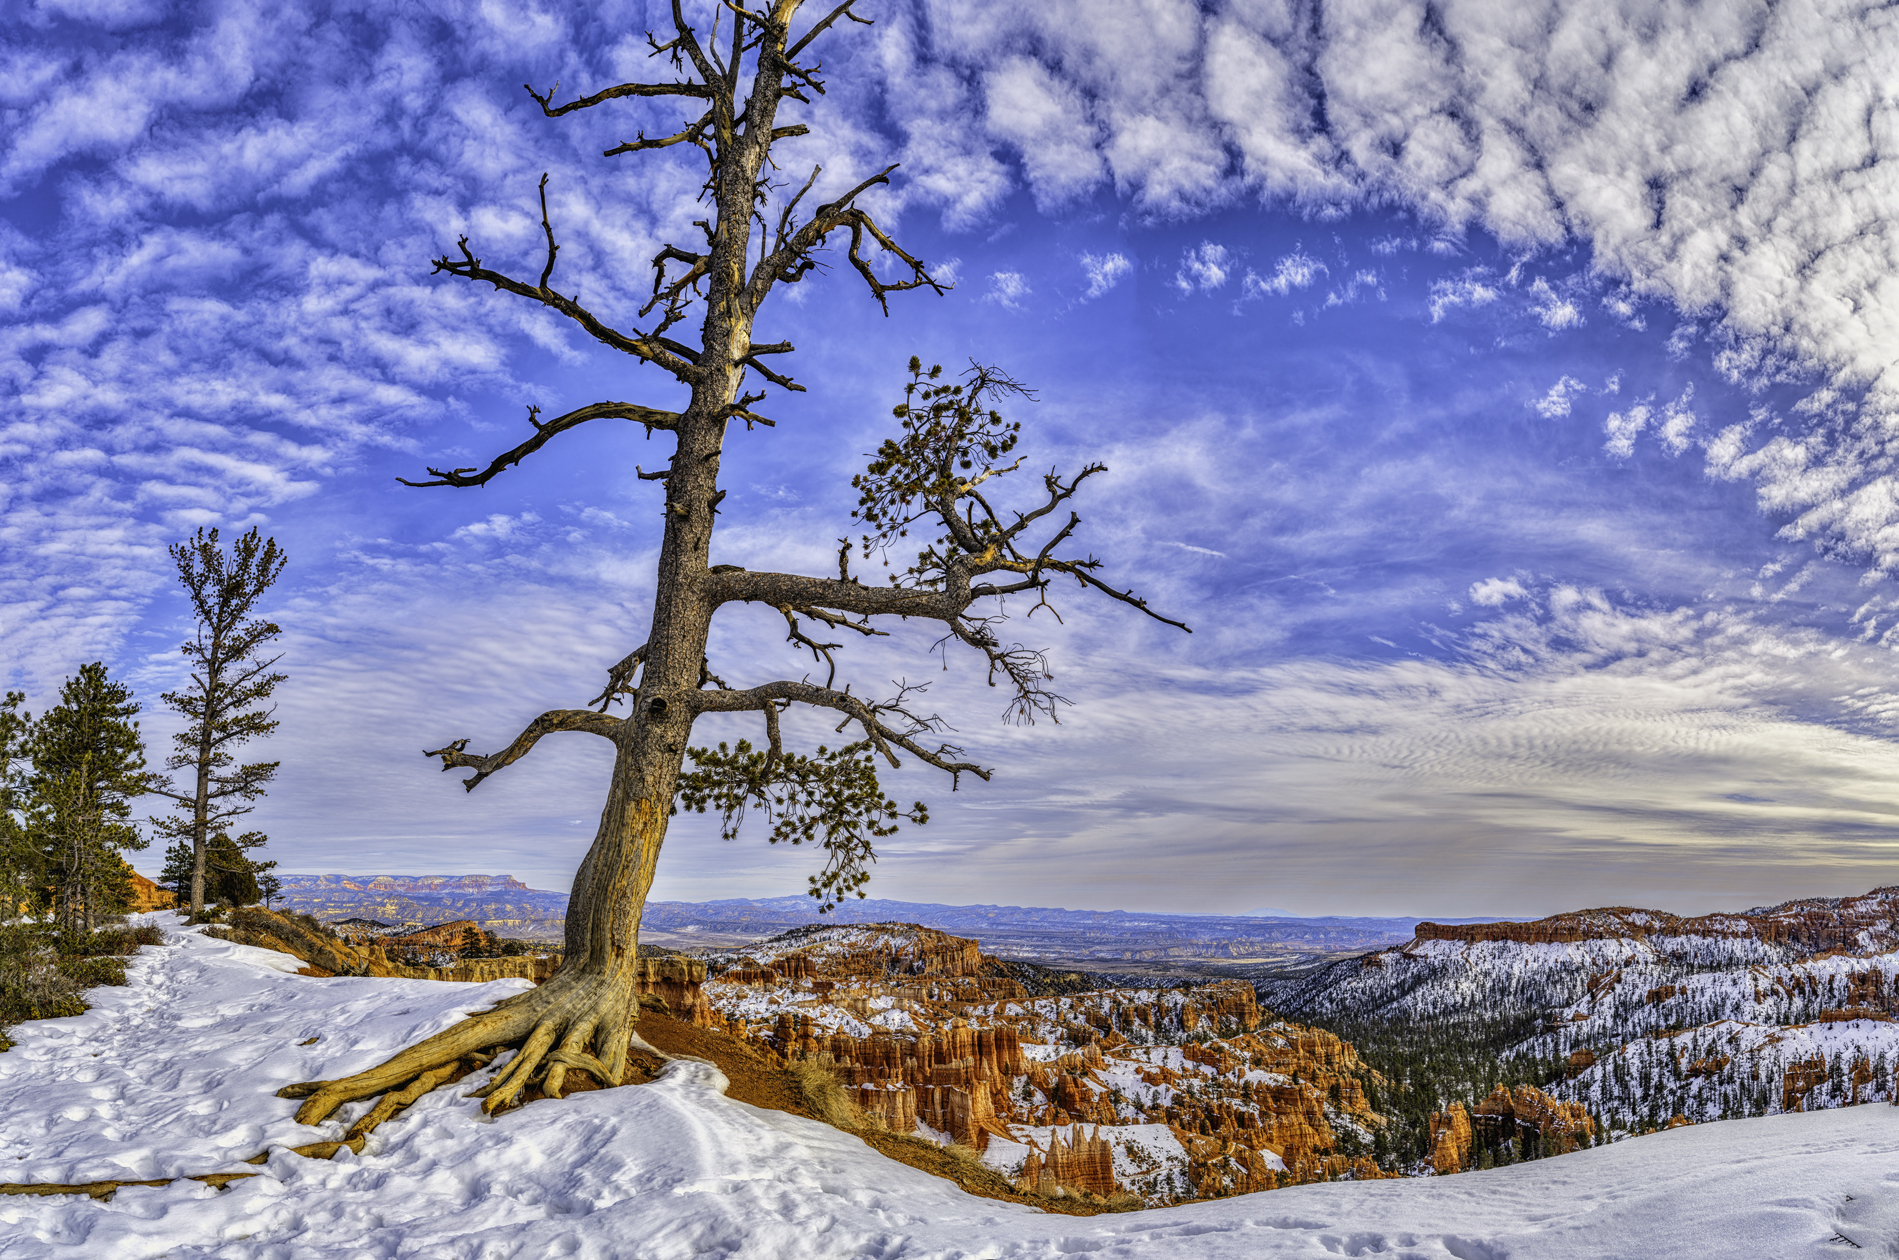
<point>591,1001</point>
<point>583,1018</point>
<point>199,838</point>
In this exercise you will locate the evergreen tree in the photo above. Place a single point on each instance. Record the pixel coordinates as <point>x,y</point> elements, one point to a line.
<point>88,763</point>
<point>269,887</point>
<point>229,877</point>
<point>230,681</point>
<point>21,876</point>
<point>179,863</point>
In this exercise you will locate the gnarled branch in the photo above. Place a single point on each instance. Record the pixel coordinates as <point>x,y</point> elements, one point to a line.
<point>651,417</point>
<point>620,678</point>
<point>681,360</point>
<point>693,133</point>
<point>699,90</point>
<point>454,756</point>
<point>824,24</point>
<point>791,256</point>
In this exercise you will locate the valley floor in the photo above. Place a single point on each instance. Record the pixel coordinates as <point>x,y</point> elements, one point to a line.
<point>175,1074</point>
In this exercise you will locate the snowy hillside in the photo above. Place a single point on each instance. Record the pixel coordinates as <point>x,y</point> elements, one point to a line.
<point>175,1074</point>
<point>1781,1009</point>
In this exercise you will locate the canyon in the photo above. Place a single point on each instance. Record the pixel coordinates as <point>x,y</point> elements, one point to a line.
<point>1577,1029</point>
<point>1168,1094</point>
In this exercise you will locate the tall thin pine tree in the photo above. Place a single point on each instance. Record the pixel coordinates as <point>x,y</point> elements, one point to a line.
<point>230,683</point>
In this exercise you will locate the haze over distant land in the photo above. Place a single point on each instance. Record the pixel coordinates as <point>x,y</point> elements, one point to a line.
<point>1116,941</point>
<point>1504,398</point>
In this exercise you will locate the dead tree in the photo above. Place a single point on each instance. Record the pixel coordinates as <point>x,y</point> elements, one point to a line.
<point>935,480</point>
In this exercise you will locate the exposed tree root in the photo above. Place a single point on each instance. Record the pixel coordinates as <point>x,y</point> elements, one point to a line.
<point>570,1024</point>
<point>104,1189</point>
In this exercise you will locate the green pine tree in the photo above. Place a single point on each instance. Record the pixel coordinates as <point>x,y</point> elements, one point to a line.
<point>269,887</point>
<point>230,878</point>
<point>179,865</point>
<point>88,764</point>
<point>21,869</point>
<point>225,704</point>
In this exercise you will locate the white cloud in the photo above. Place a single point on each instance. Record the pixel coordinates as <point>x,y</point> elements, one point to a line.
<point>1046,120</point>
<point>1104,271</point>
<point>1297,270</point>
<point>499,527</point>
<point>1205,268</point>
<point>1622,428</point>
<point>1007,289</point>
<point>1555,404</point>
<point>1554,311</point>
<point>1678,421</point>
<point>1737,163</point>
<point>1622,306</point>
<point>1496,592</point>
<point>1468,290</point>
<point>1361,281</point>
<point>1561,747</point>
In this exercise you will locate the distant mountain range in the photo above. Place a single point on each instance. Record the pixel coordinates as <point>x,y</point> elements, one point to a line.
<point>500,903</point>
<point>796,910</point>
<point>1120,940</point>
<point>445,884</point>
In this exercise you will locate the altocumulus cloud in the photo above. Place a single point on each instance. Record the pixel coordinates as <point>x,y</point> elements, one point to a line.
<point>1739,161</point>
<point>1735,160</point>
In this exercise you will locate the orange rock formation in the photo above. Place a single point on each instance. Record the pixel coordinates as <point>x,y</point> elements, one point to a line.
<point>1801,1078</point>
<point>149,896</point>
<point>1450,1140</point>
<point>1083,1162</point>
<point>1506,1115</point>
<point>973,1055</point>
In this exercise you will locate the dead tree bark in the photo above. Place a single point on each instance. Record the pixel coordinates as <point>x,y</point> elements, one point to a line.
<point>583,1018</point>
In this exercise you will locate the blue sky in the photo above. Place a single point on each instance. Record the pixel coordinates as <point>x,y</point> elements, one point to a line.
<point>1504,393</point>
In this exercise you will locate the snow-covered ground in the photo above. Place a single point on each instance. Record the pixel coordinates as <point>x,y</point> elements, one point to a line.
<point>176,1073</point>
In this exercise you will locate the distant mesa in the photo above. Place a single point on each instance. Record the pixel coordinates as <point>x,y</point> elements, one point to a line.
<point>1107,941</point>
<point>405,883</point>
<point>1811,925</point>
<point>147,895</point>
<point>1655,1017</point>
<point>500,904</point>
